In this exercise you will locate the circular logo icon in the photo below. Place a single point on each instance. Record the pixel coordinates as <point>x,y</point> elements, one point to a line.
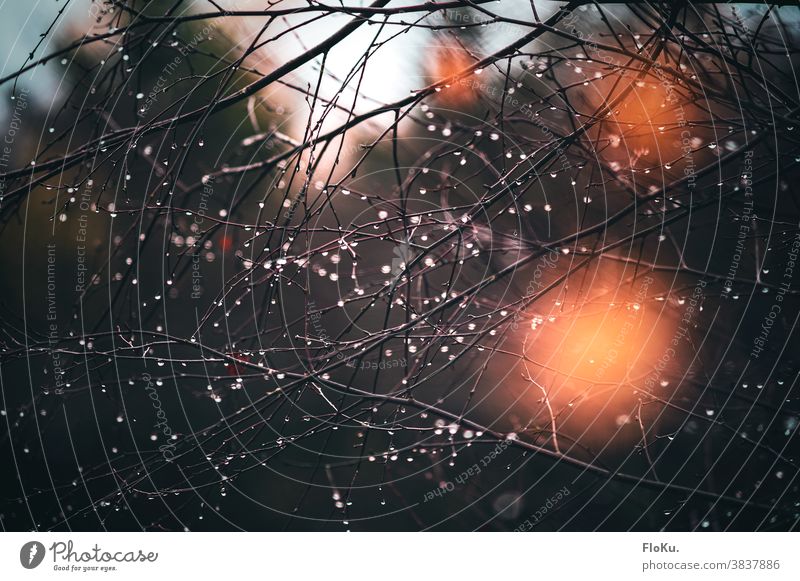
<point>31,554</point>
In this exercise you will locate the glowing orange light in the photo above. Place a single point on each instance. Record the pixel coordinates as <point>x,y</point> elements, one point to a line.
<point>447,62</point>
<point>586,361</point>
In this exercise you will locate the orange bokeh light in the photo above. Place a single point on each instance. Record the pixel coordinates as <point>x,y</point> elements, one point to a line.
<point>446,63</point>
<point>586,360</point>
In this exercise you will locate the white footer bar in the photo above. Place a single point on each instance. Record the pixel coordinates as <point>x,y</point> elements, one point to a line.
<point>398,556</point>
